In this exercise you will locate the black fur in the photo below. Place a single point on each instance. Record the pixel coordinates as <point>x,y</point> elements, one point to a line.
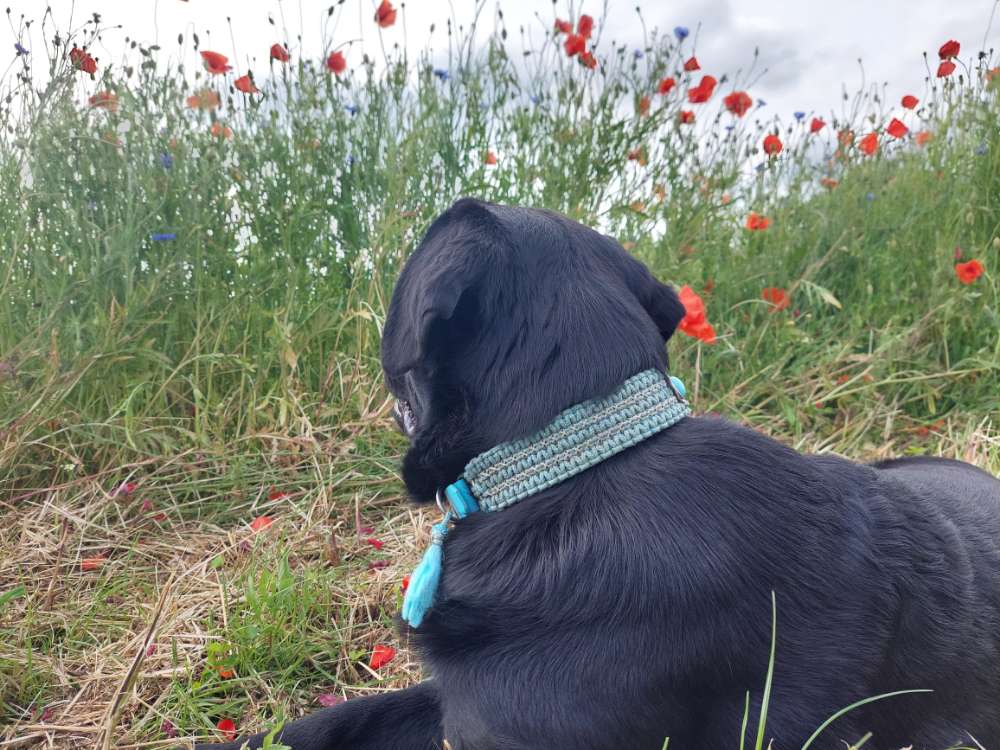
<point>633,602</point>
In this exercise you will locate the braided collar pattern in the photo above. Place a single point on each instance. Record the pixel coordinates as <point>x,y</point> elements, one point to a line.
<point>580,437</point>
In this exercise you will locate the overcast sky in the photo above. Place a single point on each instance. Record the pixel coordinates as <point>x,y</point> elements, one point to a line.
<point>810,49</point>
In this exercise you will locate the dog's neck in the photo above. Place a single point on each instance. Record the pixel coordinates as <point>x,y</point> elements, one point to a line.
<point>577,439</point>
<point>580,437</point>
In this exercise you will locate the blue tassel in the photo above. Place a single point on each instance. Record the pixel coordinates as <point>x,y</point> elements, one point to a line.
<point>425,577</point>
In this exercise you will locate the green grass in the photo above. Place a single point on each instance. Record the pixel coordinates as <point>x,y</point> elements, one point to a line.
<point>242,355</point>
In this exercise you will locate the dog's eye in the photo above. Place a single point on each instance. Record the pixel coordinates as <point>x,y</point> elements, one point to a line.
<point>404,417</point>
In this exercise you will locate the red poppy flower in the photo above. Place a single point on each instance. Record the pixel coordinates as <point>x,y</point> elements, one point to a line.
<point>922,138</point>
<point>490,157</point>
<point>93,563</point>
<point>703,91</point>
<point>336,63</point>
<point>897,129</point>
<point>946,68</point>
<point>910,101</point>
<point>125,488</point>
<point>376,543</point>
<point>405,584</point>
<point>969,272</point>
<point>105,100</point>
<point>221,131</point>
<point>665,85</point>
<point>757,223</point>
<point>563,27</point>
<point>588,60</point>
<point>772,144</point>
<point>949,49</point>
<point>644,105</point>
<point>869,144</point>
<point>738,102</point>
<point>279,53</point>
<point>275,494</point>
<point>695,322</point>
<point>777,296</point>
<point>687,117</point>
<point>246,85</point>
<point>385,16</point>
<point>260,523</point>
<point>228,729</point>
<point>816,125</point>
<point>82,60</point>
<point>637,155</point>
<point>585,26</point>
<point>692,64</point>
<point>227,674</point>
<point>575,45</point>
<point>381,655</point>
<point>215,63</point>
<point>829,182</point>
<point>203,99</point>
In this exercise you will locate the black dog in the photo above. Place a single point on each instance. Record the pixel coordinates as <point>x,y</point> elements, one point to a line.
<point>632,603</point>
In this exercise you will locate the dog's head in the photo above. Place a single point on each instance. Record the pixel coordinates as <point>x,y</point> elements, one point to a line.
<point>502,318</point>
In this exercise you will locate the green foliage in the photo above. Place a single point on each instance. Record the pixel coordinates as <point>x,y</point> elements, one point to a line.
<point>288,238</point>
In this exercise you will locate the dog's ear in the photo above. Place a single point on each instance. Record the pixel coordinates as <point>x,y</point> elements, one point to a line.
<point>424,315</point>
<point>661,303</point>
<point>659,300</point>
<point>418,320</point>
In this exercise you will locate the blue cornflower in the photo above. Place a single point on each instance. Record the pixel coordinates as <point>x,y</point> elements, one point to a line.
<point>350,160</point>
<point>760,167</point>
<point>982,149</point>
<point>351,108</point>
<point>163,236</point>
<point>798,115</point>
<point>535,99</point>
<point>761,103</point>
<point>870,197</point>
<point>730,128</point>
<point>638,54</point>
<point>441,73</point>
<point>681,32</point>
<point>20,49</point>
<point>166,160</point>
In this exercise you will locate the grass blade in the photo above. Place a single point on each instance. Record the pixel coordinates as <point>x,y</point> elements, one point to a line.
<point>851,707</point>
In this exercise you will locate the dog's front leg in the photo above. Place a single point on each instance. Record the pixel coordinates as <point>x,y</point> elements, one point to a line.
<point>407,719</point>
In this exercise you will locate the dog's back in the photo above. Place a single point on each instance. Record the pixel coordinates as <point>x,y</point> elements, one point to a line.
<point>966,502</point>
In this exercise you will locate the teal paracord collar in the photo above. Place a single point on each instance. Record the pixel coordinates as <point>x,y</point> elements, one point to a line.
<point>580,437</point>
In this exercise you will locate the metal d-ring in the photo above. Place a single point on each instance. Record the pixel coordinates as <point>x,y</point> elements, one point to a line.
<point>437,499</point>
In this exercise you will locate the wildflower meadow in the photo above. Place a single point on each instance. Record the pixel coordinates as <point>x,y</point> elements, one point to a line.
<point>201,527</point>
